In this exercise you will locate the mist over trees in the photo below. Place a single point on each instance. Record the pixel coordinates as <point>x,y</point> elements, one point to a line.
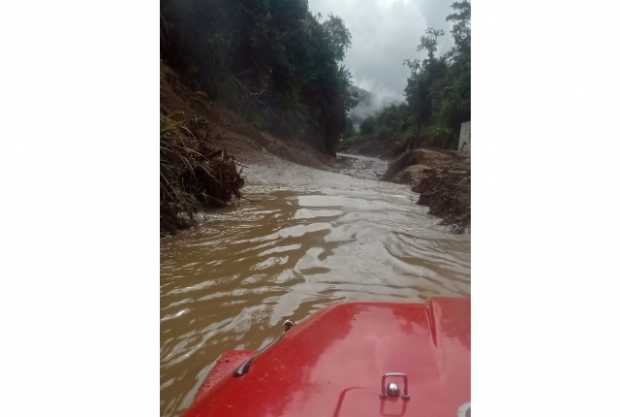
<point>272,61</point>
<point>438,91</point>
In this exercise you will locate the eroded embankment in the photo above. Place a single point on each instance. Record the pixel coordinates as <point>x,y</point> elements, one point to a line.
<point>194,174</point>
<point>443,180</point>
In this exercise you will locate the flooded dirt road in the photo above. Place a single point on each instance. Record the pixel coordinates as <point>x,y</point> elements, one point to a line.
<point>301,239</point>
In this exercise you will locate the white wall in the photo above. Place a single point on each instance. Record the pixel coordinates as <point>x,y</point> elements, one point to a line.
<point>465,137</point>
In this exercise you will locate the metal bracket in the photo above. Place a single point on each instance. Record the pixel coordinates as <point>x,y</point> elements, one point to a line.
<point>288,325</point>
<point>245,366</point>
<point>394,391</point>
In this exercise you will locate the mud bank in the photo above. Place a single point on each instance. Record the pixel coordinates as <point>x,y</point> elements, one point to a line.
<point>194,173</point>
<point>443,180</point>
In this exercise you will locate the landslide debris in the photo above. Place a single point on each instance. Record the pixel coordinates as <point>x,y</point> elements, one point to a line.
<point>194,174</point>
<point>447,193</point>
<point>443,180</point>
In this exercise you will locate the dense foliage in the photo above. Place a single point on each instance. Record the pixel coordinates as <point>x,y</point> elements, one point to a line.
<point>271,60</point>
<point>438,92</point>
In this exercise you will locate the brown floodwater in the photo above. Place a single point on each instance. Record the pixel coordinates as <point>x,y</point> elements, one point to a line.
<point>302,239</point>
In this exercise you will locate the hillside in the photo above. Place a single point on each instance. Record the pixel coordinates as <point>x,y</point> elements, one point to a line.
<point>204,147</point>
<point>275,64</point>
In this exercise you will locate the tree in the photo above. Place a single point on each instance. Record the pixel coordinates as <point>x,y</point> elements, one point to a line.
<point>423,79</point>
<point>461,30</point>
<point>367,127</point>
<point>428,42</point>
<point>438,91</point>
<point>339,36</point>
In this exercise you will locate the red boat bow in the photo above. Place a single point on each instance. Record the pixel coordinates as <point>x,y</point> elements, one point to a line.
<point>352,360</point>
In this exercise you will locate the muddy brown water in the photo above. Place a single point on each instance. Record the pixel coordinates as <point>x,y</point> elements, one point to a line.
<point>301,240</point>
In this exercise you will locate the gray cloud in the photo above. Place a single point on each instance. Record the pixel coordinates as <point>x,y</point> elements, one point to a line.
<point>384,34</point>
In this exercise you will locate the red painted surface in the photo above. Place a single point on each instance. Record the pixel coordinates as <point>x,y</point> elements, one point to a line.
<point>332,364</point>
<point>224,367</point>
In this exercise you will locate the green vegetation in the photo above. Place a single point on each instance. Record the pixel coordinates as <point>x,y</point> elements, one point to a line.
<point>271,61</point>
<point>387,123</point>
<point>438,92</point>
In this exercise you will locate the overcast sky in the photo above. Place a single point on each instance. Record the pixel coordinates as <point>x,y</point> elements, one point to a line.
<point>384,34</point>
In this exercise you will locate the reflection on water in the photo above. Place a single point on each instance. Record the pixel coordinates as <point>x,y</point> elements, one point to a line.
<point>286,252</point>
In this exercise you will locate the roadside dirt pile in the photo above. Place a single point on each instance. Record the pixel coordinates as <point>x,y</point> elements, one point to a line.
<point>447,193</point>
<point>194,174</point>
<point>410,166</point>
<point>443,180</point>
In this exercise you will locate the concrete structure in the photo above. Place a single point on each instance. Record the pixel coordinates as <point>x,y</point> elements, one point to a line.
<point>465,137</point>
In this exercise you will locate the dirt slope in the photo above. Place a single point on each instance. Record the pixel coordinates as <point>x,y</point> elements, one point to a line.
<point>443,180</point>
<point>194,172</point>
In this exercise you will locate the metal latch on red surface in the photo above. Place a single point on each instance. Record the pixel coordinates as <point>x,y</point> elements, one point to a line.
<point>392,389</point>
